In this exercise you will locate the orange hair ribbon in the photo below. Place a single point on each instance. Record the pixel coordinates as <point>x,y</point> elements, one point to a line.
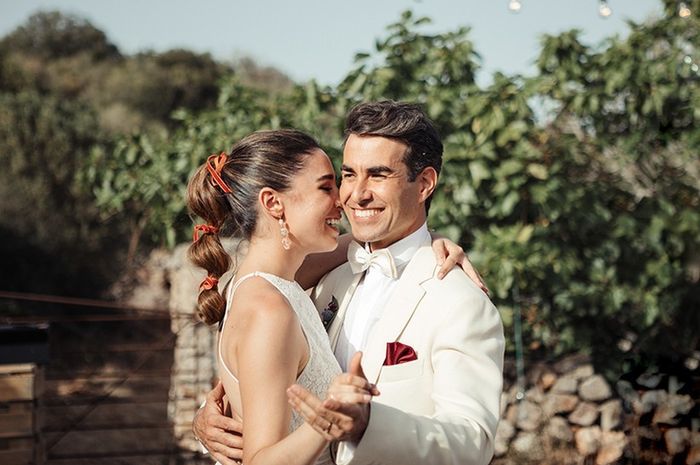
<point>215,163</point>
<point>209,283</point>
<point>204,229</point>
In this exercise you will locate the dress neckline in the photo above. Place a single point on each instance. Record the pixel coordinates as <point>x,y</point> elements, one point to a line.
<point>258,273</point>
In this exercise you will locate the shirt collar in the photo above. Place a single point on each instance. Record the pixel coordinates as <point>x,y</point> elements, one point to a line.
<point>404,249</point>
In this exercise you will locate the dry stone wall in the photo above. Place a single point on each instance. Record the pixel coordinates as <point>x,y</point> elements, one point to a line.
<point>569,414</point>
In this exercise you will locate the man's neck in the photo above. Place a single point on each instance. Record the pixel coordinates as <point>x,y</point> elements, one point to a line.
<point>373,245</point>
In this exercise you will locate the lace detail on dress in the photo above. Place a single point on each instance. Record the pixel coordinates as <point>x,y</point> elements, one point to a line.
<point>322,366</point>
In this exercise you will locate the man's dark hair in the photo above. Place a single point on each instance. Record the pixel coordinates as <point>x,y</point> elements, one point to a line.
<point>405,122</point>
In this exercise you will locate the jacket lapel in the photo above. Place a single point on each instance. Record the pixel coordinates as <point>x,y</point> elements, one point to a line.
<point>398,310</point>
<point>344,299</point>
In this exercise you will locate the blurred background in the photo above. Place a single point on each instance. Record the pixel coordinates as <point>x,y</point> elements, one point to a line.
<point>571,176</point>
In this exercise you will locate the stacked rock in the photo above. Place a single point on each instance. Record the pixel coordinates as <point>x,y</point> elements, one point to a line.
<point>570,414</point>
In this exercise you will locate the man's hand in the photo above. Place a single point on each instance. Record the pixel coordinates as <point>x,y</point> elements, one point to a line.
<point>221,435</point>
<point>449,255</point>
<point>344,415</point>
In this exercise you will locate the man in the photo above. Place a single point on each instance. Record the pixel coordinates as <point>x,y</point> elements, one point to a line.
<point>433,347</point>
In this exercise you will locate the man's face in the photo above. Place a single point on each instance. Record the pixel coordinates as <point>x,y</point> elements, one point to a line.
<point>382,205</point>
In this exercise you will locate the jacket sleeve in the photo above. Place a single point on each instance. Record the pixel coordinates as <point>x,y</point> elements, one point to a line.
<point>467,361</point>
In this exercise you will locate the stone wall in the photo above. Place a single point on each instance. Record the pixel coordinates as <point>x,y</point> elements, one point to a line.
<point>195,363</point>
<point>569,414</point>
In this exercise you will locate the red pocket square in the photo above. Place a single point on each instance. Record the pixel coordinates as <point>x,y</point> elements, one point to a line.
<point>398,353</point>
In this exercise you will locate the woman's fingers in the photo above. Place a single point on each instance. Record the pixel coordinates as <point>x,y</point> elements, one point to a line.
<point>322,416</point>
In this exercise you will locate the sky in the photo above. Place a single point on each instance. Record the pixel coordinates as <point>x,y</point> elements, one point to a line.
<point>318,39</point>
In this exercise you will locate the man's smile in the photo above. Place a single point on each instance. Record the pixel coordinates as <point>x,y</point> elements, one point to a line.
<point>366,212</point>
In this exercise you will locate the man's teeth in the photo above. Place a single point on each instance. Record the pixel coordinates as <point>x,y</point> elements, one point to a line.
<point>333,221</point>
<point>366,213</point>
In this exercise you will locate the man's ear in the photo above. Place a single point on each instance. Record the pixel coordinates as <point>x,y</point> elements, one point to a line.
<point>427,181</point>
<point>271,203</point>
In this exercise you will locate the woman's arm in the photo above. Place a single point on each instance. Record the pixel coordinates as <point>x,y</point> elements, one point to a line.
<point>270,350</point>
<point>447,253</point>
<point>318,264</point>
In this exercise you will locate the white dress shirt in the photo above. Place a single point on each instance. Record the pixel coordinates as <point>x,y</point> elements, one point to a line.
<point>367,303</point>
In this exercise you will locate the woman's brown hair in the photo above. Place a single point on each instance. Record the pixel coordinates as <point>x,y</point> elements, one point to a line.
<point>262,159</point>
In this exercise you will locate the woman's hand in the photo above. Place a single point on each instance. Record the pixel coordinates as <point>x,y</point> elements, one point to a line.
<point>344,415</point>
<point>448,255</point>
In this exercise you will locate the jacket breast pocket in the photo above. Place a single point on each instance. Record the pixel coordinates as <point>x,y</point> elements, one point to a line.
<point>408,370</point>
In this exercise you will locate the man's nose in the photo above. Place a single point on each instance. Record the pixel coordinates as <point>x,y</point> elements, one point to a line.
<point>361,192</point>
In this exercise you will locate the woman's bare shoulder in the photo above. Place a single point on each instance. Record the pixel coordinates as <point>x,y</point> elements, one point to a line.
<point>257,301</point>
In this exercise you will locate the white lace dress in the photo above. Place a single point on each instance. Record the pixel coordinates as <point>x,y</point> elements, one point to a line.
<point>321,367</point>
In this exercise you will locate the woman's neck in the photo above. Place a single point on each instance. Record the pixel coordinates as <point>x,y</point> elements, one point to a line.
<point>268,256</point>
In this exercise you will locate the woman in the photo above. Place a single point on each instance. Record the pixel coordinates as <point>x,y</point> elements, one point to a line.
<point>277,190</point>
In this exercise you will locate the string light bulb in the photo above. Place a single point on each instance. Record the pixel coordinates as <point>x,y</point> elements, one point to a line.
<point>514,5</point>
<point>604,9</point>
<point>683,10</point>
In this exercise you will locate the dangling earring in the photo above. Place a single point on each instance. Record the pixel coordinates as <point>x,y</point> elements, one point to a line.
<point>284,232</point>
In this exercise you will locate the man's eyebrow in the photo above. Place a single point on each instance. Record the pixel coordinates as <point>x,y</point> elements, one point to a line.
<point>372,170</point>
<point>326,177</point>
<point>381,169</point>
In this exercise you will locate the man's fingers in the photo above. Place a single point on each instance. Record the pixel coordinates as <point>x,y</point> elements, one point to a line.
<point>364,394</point>
<point>237,417</point>
<point>223,460</point>
<point>235,453</point>
<point>225,439</point>
<point>217,393</point>
<point>353,398</point>
<point>349,388</point>
<point>352,381</point>
<point>356,365</point>
<point>225,423</point>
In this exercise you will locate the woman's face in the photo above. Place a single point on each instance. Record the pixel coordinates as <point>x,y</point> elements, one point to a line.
<point>311,205</point>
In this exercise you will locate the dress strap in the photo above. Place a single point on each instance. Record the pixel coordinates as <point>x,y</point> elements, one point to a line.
<point>229,296</point>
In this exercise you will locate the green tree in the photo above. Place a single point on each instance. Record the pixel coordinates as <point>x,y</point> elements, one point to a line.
<point>53,34</point>
<point>585,218</point>
<point>44,144</point>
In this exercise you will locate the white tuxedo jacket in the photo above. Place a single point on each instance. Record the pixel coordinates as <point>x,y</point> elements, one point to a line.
<point>442,408</point>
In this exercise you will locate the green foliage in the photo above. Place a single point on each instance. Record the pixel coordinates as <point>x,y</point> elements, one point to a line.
<point>577,190</point>
<point>626,131</point>
<point>54,34</point>
<point>49,227</point>
<point>66,56</point>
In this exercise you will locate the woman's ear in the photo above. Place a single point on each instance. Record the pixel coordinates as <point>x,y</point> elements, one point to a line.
<point>271,203</point>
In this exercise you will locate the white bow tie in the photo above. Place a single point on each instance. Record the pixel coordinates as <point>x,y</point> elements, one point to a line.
<point>360,260</point>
